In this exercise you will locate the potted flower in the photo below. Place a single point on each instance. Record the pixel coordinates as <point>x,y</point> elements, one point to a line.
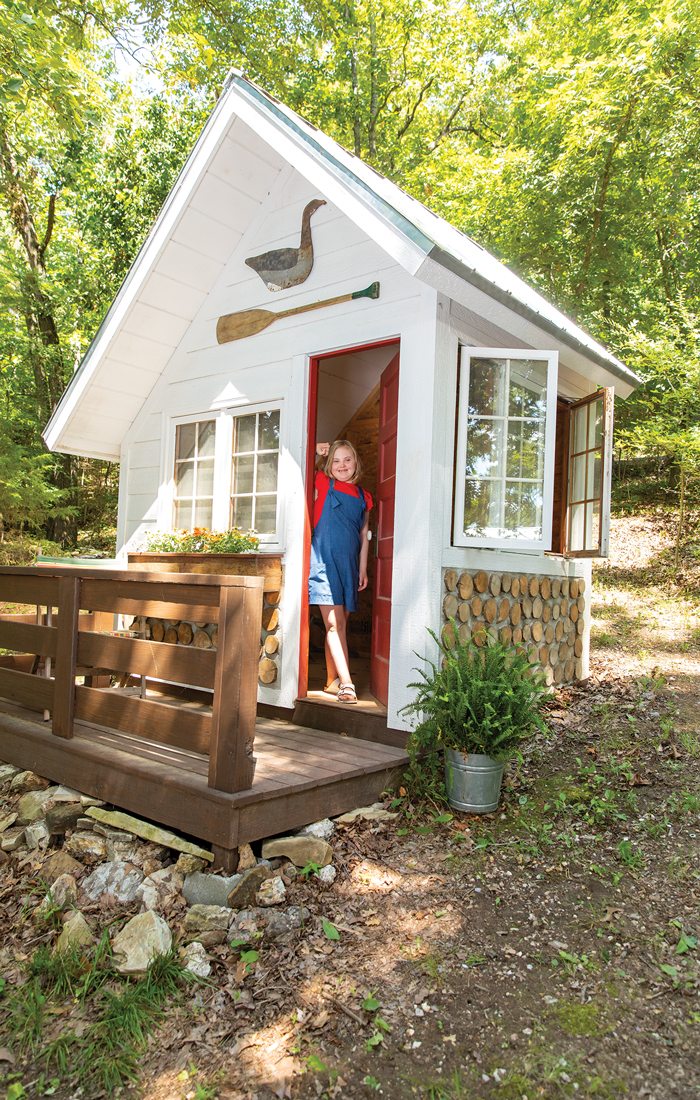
<point>477,705</point>
<point>200,540</point>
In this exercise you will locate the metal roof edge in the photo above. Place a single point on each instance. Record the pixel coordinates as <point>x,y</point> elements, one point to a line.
<point>593,351</point>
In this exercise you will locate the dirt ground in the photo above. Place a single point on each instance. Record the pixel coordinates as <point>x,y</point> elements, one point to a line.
<point>549,950</point>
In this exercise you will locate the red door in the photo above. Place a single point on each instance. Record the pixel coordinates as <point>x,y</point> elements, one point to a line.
<point>386,489</point>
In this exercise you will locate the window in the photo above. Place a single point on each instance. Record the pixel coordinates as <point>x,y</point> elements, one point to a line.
<point>505,442</point>
<point>256,446</point>
<point>589,468</point>
<point>226,472</point>
<point>194,474</point>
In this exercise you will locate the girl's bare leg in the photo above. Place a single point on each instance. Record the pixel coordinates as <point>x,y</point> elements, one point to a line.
<point>335,619</point>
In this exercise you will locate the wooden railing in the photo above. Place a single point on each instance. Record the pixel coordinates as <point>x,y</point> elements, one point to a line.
<point>71,645</point>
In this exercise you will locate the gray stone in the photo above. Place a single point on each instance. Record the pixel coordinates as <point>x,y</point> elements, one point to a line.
<point>300,850</point>
<point>141,940</point>
<point>6,821</point>
<point>32,806</point>
<point>243,893</point>
<point>195,959</point>
<point>375,812</point>
<point>327,875</point>
<point>86,847</point>
<point>76,933</point>
<point>62,816</point>
<point>115,881</point>
<point>322,829</point>
<point>60,863</point>
<point>7,773</point>
<point>147,831</point>
<point>202,889</point>
<point>246,859</point>
<point>28,781</point>
<point>271,892</point>
<point>161,888</point>
<point>62,895</point>
<point>12,839</point>
<point>87,800</point>
<point>248,925</point>
<point>206,923</point>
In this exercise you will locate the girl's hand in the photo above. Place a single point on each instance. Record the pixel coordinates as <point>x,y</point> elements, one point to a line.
<point>362,584</point>
<point>322,449</point>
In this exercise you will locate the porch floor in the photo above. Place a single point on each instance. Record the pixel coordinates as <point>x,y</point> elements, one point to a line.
<point>301,775</point>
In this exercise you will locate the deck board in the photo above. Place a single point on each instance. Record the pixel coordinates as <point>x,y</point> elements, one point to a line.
<point>301,774</point>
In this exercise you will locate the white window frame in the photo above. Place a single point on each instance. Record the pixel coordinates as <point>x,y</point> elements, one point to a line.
<point>223,465</point>
<point>459,538</point>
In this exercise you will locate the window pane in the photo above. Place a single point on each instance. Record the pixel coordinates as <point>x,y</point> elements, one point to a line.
<point>243,471</point>
<point>267,473</point>
<point>528,388</point>
<point>580,429</point>
<point>597,472</point>
<point>205,479</point>
<point>269,430</point>
<point>183,513</point>
<point>525,449</point>
<point>184,479</point>
<point>266,514</point>
<point>202,513</point>
<point>185,440</point>
<point>523,509</point>
<point>576,522</point>
<point>207,435</point>
<point>595,426</point>
<point>242,513</point>
<point>594,525</point>
<point>481,505</point>
<point>578,478</point>
<point>486,387</point>
<point>244,434</point>
<point>484,448</point>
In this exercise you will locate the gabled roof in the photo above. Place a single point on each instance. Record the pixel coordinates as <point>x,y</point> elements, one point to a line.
<point>135,340</point>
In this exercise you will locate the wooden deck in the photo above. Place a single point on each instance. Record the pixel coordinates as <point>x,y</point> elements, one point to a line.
<point>215,772</point>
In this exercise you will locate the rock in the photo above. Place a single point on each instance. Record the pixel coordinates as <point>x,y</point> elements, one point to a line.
<point>243,893</point>
<point>60,863</point>
<point>327,875</point>
<point>85,823</point>
<point>271,892</point>
<point>300,850</point>
<point>86,847</point>
<point>12,839</point>
<point>62,895</point>
<point>76,933</point>
<point>195,959</point>
<point>187,865</point>
<point>274,924</point>
<point>7,773</point>
<point>141,940</point>
<point>6,821</point>
<point>32,806</point>
<point>62,816</point>
<point>87,800</point>
<point>147,831</point>
<point>322,829</point>
<point>36,835</point>
<point>202,889</point>
<point>375,812</point>
<point>28,781</point>
<point>206,923</point>
<point>247,925</point>
<point>160,889</point>
<point>246,859</point>
<point>116,881</point>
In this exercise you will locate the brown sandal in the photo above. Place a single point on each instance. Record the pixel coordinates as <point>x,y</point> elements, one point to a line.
<point>347,693</point>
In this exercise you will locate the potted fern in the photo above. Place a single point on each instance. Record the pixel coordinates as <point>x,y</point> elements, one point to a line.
<point>476,703</point>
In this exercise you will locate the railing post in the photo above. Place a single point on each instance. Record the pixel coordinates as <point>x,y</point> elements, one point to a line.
<point>231,760</point>
<point>66,652</point>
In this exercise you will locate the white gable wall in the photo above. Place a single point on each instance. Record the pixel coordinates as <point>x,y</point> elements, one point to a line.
<point>203,377</point>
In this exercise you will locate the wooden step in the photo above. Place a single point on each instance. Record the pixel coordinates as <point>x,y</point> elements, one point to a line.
<point>350,720</point>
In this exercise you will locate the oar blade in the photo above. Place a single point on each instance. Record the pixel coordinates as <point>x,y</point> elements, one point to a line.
<point>236,326</point>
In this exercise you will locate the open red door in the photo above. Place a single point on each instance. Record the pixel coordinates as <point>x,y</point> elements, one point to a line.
<point>386,489</point>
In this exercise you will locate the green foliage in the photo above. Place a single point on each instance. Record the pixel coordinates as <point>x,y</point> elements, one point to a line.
<point>202,541</point>
<point>477,699</point>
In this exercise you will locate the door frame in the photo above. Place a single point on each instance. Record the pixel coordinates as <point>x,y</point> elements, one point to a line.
<point>309,467</point>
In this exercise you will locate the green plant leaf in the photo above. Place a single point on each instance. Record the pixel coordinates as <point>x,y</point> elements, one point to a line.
<point>370,1003</point>
<point>330,930</point>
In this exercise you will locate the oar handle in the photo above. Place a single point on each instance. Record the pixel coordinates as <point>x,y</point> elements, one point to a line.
<point>371,291</point>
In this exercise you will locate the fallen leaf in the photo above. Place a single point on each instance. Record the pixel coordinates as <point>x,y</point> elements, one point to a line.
<point>6,1055</point>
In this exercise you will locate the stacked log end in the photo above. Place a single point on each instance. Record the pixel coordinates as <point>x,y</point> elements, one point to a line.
<point>542,615</point>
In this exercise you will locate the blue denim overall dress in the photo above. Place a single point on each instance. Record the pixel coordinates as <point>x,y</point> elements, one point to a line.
<point>335,549</point>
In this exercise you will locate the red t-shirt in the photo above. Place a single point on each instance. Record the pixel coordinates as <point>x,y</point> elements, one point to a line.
<point>321,483</point>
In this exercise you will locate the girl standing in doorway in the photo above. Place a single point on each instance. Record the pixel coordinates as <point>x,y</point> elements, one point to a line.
<point>339,548</point>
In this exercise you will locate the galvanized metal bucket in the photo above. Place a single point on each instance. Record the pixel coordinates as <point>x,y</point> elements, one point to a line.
<point>473,781</point>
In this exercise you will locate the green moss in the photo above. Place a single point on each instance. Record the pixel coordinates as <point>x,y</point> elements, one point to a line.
<point>578,1019</point>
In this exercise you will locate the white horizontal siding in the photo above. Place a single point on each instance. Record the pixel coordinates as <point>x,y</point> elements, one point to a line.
<point>189,266</point>
<point>140,351</point>
<point>206,235</point>
<point>173,295</point>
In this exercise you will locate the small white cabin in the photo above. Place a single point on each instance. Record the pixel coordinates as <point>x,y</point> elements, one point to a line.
<point>482,414</point>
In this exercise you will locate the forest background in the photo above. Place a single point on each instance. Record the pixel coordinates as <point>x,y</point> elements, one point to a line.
<point>563,135</point>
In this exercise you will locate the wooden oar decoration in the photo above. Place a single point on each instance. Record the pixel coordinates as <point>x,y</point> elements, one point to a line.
<point>236,326</point>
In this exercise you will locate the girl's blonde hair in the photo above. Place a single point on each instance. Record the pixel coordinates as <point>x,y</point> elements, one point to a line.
<point>331,453</point>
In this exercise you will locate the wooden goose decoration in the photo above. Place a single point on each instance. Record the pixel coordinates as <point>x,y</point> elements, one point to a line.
<point>284,267</point>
